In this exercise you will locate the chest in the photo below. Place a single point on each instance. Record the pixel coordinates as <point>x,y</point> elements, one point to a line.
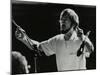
<point>68,47</point>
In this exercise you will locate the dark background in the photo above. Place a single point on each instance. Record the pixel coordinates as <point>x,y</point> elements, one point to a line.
<point>41,22</point>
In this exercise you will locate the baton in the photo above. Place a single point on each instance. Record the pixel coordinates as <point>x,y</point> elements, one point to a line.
<point>16,24</point>
<point>18,27</point>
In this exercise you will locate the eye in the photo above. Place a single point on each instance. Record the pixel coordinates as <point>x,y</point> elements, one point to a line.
<point>62,21</point>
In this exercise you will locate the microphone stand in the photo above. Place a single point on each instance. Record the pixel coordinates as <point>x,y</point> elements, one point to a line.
<point>36,55</point>
<point>35,62</point>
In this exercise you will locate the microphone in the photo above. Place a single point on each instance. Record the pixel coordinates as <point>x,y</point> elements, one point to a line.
<point>81,49</point>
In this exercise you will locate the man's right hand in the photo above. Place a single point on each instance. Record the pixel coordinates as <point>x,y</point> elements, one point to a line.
<point>20,33</point>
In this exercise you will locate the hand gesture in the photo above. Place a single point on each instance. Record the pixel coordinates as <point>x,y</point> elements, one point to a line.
<point>20,33</point>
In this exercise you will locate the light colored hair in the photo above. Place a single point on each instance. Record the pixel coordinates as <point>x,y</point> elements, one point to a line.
<point>19,63</point>
<point>71,14</point>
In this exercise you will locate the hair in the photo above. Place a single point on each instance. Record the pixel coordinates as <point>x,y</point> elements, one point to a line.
<point>19,63</point>
<point>71,14</point>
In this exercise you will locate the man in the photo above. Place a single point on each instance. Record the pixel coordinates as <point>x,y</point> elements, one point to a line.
<point>71,47</point>
<point>19,63</point>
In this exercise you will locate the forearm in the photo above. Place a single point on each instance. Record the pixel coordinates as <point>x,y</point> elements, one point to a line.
<point>89,48</point>
<point>21,35</point>
<point>27,43</point>
<point>31,44</point>
<point>26,40</point>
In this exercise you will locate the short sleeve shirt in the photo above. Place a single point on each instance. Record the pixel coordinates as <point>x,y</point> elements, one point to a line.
<point>65,51</point>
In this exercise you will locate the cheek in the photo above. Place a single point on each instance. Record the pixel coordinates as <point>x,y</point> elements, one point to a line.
<point>68,26</point>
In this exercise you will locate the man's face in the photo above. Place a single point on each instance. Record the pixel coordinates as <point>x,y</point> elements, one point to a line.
<point>65,23</point>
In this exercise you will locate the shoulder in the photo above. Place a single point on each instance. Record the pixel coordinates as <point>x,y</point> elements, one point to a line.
<point>59,37</point>
<point>54,39</point>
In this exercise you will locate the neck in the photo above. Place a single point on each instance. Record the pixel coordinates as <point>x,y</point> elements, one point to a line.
<point>68,34</point>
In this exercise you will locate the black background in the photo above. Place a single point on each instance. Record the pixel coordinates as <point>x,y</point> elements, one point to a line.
<point>41,22</point>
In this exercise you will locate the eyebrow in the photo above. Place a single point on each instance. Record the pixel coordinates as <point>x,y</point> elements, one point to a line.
<point>64,18</point>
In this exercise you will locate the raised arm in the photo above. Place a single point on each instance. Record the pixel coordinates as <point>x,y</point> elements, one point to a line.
<point>89,48</point>
<point>86,47</point>
<point>22,36</point>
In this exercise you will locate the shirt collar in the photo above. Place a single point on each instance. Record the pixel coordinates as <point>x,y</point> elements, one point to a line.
<point>71,36</point>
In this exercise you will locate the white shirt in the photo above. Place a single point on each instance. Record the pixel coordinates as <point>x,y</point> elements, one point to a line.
<point>65,51</point>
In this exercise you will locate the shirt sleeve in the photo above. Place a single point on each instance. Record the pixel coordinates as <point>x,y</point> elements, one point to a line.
<point>48,46</point>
